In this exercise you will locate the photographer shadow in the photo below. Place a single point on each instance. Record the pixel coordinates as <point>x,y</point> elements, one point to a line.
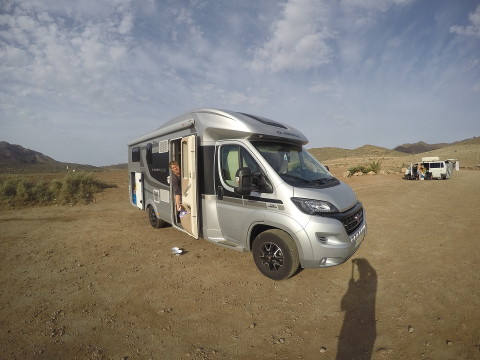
<point>359,332</point>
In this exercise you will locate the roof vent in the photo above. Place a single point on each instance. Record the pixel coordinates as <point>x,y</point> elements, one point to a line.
<point>266,121</point>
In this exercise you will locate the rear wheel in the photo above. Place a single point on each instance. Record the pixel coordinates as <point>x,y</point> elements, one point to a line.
<point>275,254</point>
<point>155,221</point>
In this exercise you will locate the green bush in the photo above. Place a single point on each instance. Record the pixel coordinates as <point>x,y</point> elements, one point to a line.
<point>374,166</point>
<point>358,168</point>
<point>42,193</point>
<point>73,188</point>
<point>79,188</point>
<point>23,192</point>
<point>8,190</point>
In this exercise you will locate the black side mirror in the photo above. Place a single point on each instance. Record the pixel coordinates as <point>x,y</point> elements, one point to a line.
<point>326,167</point>
<point>244,178</point>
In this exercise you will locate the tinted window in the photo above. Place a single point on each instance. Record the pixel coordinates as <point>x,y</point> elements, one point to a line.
<point>149,153</point>
<point>136,154</point>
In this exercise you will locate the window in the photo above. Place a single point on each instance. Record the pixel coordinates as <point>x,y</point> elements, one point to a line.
<point>136,154</point>
<point>184,168</point>
<point>295,165</point>
<point>232,158</point>
<point>149,153</point>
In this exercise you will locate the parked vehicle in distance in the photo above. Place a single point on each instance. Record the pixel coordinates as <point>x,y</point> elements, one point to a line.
<point>247,184</point>
<point>432,168</point>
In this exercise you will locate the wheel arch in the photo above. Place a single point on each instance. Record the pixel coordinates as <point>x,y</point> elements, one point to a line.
<point>151,203</point>
<point>257,229</point>
<point>159,213</point>
<point>161,221</point>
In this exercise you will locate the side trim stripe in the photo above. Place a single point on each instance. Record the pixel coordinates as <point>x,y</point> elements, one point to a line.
<point>252,198</point>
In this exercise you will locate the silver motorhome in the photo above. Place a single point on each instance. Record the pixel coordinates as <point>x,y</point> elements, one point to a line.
<point>249,185</point>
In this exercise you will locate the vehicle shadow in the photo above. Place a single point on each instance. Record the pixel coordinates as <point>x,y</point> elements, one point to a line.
<point>359,332</point>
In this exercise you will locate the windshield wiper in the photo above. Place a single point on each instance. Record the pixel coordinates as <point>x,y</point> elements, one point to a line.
<point>323,181</point>
<point>294,177</point>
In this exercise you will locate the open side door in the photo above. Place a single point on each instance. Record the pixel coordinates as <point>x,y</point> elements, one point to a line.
<point>136,179</point>
<point>189,182</point>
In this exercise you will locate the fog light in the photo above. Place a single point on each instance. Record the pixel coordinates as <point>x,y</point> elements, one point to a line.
<point>322,239</point>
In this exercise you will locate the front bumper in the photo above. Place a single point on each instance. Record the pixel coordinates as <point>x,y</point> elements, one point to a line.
<point>330,243</point>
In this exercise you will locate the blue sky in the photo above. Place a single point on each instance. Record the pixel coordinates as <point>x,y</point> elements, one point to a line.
<point>79,79</point>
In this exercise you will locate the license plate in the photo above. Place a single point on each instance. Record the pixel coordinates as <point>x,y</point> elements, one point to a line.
<point>359,235</point>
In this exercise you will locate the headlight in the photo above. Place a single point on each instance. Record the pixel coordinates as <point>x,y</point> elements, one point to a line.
<point>312,207</point>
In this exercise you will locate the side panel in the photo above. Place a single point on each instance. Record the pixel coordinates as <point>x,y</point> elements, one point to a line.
<point>235,213</point>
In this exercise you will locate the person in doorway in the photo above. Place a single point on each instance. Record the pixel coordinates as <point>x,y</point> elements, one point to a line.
<point>176,187</point>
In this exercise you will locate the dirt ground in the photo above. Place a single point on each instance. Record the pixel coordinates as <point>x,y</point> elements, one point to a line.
<point>97,282</point>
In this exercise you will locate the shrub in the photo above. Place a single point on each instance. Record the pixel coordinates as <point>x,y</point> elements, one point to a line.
<point>23,192</point>
<point>42,194</point>
<point>374,166</point>
<point>74,188</point>
<point>8,189</point>
<point>358,168</point>
<point>79,188</point>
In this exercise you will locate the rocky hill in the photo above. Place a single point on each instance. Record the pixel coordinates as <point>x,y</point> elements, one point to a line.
<point>419,147</point>
<point>17,159</point>
<point>365,151</point>
<point>15,154</point>
<point>423,147</point>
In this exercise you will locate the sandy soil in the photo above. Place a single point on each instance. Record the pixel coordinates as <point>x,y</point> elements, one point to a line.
<point>97,282</point>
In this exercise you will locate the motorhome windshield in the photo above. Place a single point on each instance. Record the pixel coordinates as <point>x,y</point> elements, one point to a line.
<point>295,165</point>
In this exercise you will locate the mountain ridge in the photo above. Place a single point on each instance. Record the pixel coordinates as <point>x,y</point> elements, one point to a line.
<point>419,147</point>
<point>16,158</point>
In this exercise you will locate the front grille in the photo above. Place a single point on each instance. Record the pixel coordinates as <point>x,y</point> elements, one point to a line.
<point>352,222</point>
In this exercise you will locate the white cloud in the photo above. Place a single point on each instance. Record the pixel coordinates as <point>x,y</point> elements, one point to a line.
<point>126,24</point>
<point>470,30</point>
<point>359,14</point>
<point>375,5</point>
<point>331,89</point>
<point>63,58</point>
<point>298,41</point>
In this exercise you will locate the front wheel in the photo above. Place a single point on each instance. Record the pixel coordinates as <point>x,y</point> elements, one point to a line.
<point>275,254</point>
<point>155,221</point>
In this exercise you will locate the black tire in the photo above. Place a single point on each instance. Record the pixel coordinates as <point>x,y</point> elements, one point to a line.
<point>155,221</point>
<point>275,254</point>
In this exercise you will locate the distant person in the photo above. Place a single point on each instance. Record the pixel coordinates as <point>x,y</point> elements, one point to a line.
<point>176,186</point>
<point>421,173</point>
